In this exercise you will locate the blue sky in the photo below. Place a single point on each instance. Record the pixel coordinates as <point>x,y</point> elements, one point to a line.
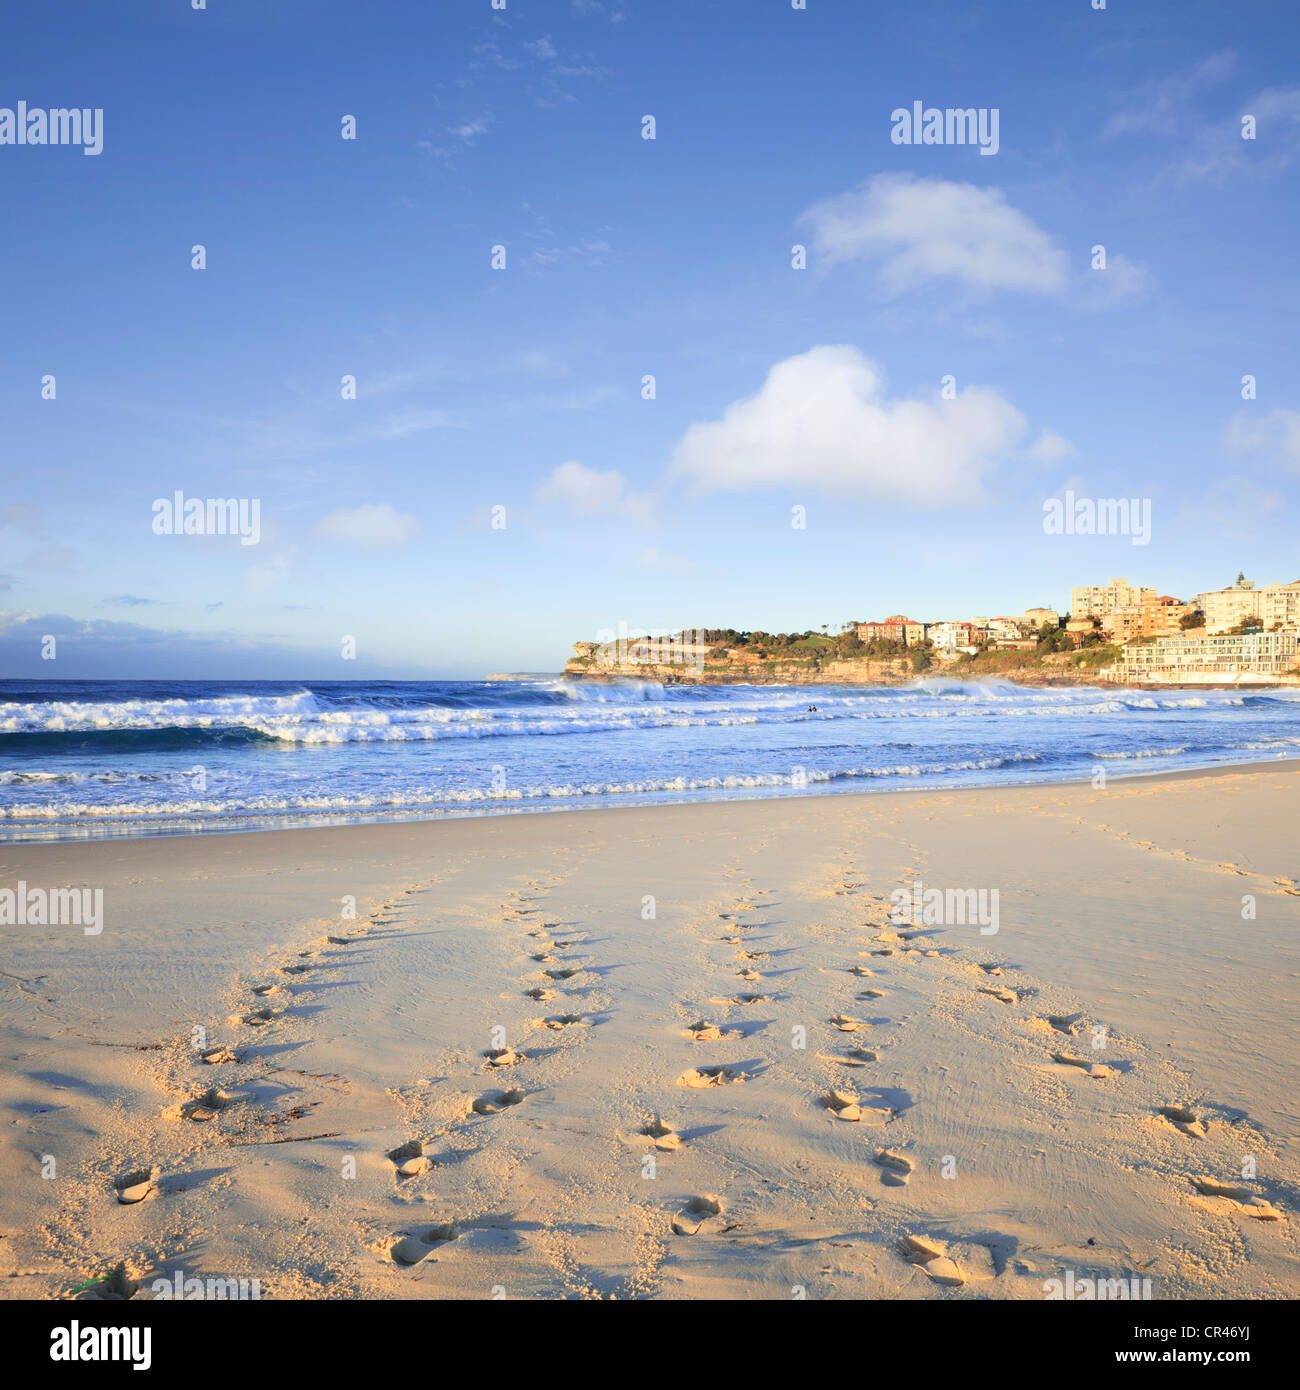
<point>521,388</point>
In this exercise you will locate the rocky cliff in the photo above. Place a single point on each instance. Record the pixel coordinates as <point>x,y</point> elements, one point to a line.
<point>731,666</point>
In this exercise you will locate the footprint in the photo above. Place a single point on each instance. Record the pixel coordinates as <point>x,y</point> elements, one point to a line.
<point>259,1017</point>
<point>1208,1187</point>
<point>1225,1199</point>
<point>699,1077</point>
<point>503,1056</point>
<point>846,1024</point>
<point>703,1031</point>
<point>410,1250</point>
<point>410,1159</point>
<point>565,974</point>
<point>203,1108</point>
<point>1094,1069</point>
<point>563,1020</point>
<point>540,994</point>
<point>215,1055</point>
<point>135,1186</point>
<point>492,1102</point>
<point>950,1263</point>
<point>871,994</point>
<point>845,1105</point>
<point>117,1286</point>
<point>1007,996</point>
<point>896,1167</point>
<point>664,1135</point>
<point>261,990</point>
<point>294,969</point>
<point>991,969</point>
<point>1063,1023</point>
<point>339,940</point>
<point>1182,1117</point>
<point>698,1213</point>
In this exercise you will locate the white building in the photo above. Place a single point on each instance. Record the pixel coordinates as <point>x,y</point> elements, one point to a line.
<point>1275,605</point>
<point>1205,656</point>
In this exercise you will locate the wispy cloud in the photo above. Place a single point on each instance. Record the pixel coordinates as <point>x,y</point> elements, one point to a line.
<point>374,526</point>
<point>456,139</point>
<point>1165,105</point>
<point>1213,147</point>
<point>924,231</point>
<point>589,492</point>
<point>1272,436</point>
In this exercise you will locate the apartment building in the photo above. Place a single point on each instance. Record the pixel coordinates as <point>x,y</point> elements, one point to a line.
<point>896,629</point>
<point>1096,600</point>
<point>1155,617</point>
<point>1275,605</point>
<point>1206,655</point>
<point>1036,617</point>
<point>951,637</point>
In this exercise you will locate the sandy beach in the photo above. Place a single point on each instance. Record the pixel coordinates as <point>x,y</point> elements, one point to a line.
<point>839,1105</point>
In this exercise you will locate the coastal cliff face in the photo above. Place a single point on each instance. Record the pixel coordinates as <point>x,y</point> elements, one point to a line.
<point>727,666</point>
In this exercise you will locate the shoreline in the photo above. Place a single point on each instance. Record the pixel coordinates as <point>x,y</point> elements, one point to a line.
<point>419,818</point>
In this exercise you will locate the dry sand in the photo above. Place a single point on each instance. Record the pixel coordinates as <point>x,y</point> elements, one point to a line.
<point>954,1134</point>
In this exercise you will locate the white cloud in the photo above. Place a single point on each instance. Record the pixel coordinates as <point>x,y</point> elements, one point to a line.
<point>656,561</point>
<point>406,423</point>
<point>469,131</point>
<point>822,421</point>
<point>271,572</point>
<point>1122,281</point>
<point>544,365</point>
<point>1211,147</point>
<point>1274,434</point>
<point>589,492</point>
<point>926,230</point>
<point>1164,107</point>
<point>1051,447</point>
<point>375,526</point>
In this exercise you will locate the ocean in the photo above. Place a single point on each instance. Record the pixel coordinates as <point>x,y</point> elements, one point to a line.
<point>91,759</point>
